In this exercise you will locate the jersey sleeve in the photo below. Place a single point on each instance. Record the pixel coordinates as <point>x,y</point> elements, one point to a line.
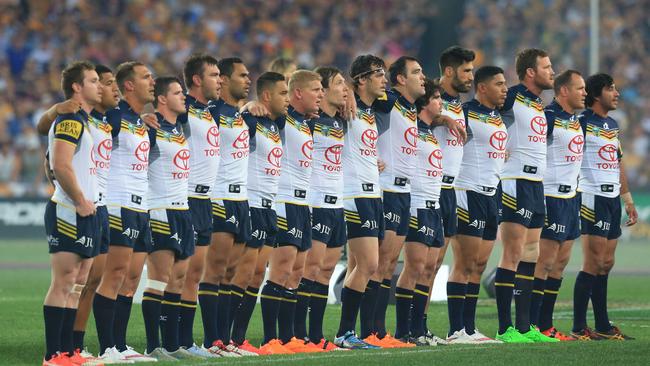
<point>550,121</point>
<point>182,118</point>
<point>386,102</point>
<point>215,108</point>
<point>468,127</point>
<point>583,123</point>
<point>281,122</point>
<point>510,101</point>
<point>152,132</point>
<point>251,122</point>
<point>114,119</point>
<point>68,128</point>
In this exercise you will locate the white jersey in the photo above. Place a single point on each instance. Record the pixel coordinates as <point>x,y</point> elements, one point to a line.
<point>484,152</point>
<point>427,181</point>
<point>600,170</point>
<point>397,144</point>
<point>265,160</point>
<point>202,133</point>
<point>232,175</point>
<point>298,144</point>
<point>524,115</point>
<point>103,144</point>
<point>564,152</point>
<point>169,167</point>
<point>360,173</point>
<point>73,129</point>
<point>127,181</point>
<point>450,142</point>
<point>327,174</point>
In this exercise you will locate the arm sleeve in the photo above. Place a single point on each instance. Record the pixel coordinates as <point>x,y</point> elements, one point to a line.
<point>68,128</point>
<point>114,118</point>
<point>182,118</point>
<point>550,122</point>
<point>152,136</point>
<point>251,122</point>
<point>510,101</point>
<point>386,102</point>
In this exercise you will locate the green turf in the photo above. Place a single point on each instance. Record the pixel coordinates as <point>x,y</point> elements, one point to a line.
<point>21,325</point>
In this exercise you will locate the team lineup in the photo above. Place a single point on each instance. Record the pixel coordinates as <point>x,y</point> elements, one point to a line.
<point>216,191</point>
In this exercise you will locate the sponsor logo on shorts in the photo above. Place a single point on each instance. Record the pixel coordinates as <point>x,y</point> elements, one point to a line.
<point>322,229</point>
<point>52,241</point>
<point>602,225</point>
<point>370,225</point>
<point>131,233</point>
<point>392,217</point>
<point>85,242</point>
<point>557,228</point>
<point>479,224</point>
<point>296,233</point>
<point>526,214</point>
<point>176,237</point>
<point>426,231</point>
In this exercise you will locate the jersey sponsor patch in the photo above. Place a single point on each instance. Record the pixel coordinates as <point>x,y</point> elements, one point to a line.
<point>68,127</point>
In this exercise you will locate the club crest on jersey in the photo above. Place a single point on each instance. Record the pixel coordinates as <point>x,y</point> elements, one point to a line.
<point>453,106</point>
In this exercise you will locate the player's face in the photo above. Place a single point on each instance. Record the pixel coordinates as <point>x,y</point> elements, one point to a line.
<point>463,77</point>
<point>577,92</point>
<point>239,83</point>
<point>143,84</point>
<point>609,98</point>
<point>414,79</point>
<point>496,90</point>
<point>376,82</point>
<point>175,98</point>
<point>211,82</point>
<point>91,90</point>
<point>337,92</point>
<point>312,95</point>
<point>544,73</point>
<point>435,104</point>
<point>110,91</point>
<point>279,98</point>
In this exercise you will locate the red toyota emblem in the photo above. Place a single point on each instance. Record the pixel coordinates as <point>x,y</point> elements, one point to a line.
<point>274,156</point>
<point>498,140</point>
<point>307,148</point>
<point>213,136</point>
<point>369,138</point>
<point>411,136</point>
<point>576,144</point>
<point>241,142</point>
<point>538,125</point>
<point>104,149</point>
<point>142,151</point>
<point>333,154</point>
<point>608,152</point>
<point>182,159</point>
<point>435,159</point>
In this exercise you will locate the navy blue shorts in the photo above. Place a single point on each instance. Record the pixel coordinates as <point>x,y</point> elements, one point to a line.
<point>601,216</point>
<point>328,226</point>
<point>129,228</point>
<point>200,209</point>
<point>397,212</point>
<point>232,217</point>
<point>425,226</point>
<point>265,227</point>
<point>364,217</point>
<point>172,230</point>
<point>562,219</point>
<point>448,211</point>
<point>105,232</point>
<point>294,226</point>
<point>523,202</point>
<point>68,232</point>
<point>477,214</point>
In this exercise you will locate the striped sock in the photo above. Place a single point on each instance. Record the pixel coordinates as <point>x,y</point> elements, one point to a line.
<point>536,300</point>
<point>522,294</point>
<point>303,294</point>
<point>151,309</point>
<point>455,303</point>
<point>551,290</point>
<point>317,305</point>
<point>169,315</point>
<point>403,301</point>
<point>504,283</point>
<point>243,315</point>
<point>469,308</point>
<point>209,300</point>
<point>186,323</point>
<point>420,299</point>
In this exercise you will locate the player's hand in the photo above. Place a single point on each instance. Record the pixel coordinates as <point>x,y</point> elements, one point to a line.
<point>456,128</point>
<point>632,215</point>
<point>150,120</point>
<point>67,107</point>
<point>85,208</point>
<point>349,110</point>
<point>312,115</point>
<point>255,108</point>
<point>49,174</point>
<point>507,155</point>
<point>381,165</point>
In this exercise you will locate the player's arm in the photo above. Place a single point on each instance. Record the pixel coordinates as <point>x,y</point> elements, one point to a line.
<point>451,124</point>
<point>46,120</point>
<point>255,108</point>
<point>626,196</point>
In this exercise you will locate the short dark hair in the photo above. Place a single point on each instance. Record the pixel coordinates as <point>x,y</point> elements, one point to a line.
<point>125,71</point>
<point>399,68</point>
<point>363,65</point>
<point>486,73</point>
<point>227,65</point>
<point>455,56</point>
<point>594,86</point>
<point>564,79</point>
<point>281,64</point>
<point>527,59</point>
<point>162,86</point>
<point>327,73</point>
<point>431,86</point>
<point>195,65</point>
<point>74,73</point>
<point>102,69</point>
<point>267,80</point>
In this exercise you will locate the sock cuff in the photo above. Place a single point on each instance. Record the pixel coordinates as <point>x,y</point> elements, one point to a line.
<point>372,285</point>
<point>50,308</point>
<point>207,288</point>
<point>320,288</point>
<point>236,290</point>
<point>306,283</point>
<point>224,289</point>
<point>124,299</point>
<point>386,283</point>
<point>172,297</point>
<point>351,291</point>
<point>526,268</point>
<point>552,284</point>
<point>103,301</point>
<point>456,290</point>
<point>273,284</point>
<point>473,288</point>
<point>252,291</point>
<point>188,304</point>
<point>539,284</point>
<point>603,277</point>
<point>150,296</point>
<point>584,276</point>
<point>504,276</point>
<point>421,290</point>
<point>403,292</point>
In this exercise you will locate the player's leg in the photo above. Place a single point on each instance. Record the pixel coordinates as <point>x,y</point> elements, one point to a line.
<point>473,290</point>
<point>275,293</point>
<point>86,300</point>
<point>513,236</point>
<point>230,301</point>
<point>388,247</point>
<point>313,263</point>
<point>599,290</point>
<point>124,301</point>
<point>319,295</point>
<point>548,252</point>
<point>239,285</point>
<point>171,306</point>
<point>159,264</point>
<point>465,249</point>
<point>67,341</point>
<point>593,249</point>
<point>415,255</point>
<point>551,291</point>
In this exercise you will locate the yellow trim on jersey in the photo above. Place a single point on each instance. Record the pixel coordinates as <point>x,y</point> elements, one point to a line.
<point>294,203</point>
<point>524,178</point>
<point>561,197</point>
<point>228,199</point>
<point>447,187</point>
<point>199,197</point>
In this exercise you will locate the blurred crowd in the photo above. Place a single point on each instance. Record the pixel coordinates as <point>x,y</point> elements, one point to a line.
<point>38,37</point>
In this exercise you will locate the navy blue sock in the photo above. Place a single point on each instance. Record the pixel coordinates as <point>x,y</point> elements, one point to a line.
<point>420,299</point>
<point>243,315</point>
<point>599,303</point>
<point>367,309</point>
<point>317,305</point>
<point>209,300</point>
<point>425,326</point>
<point>67,344</point>
<point>121,322</point>
<point>303,295</point>
<point>536,300</point>
<point>236,297</point>
<point>403,301</point>
<point>151,310</point>
<point>169,317</point>
<point>223,312</point>
<point>522,294</point>
<point>186,323</point>
<point>504,283</point>
<point>270,300</point>
<point>78,339</point>
<point>53,317</point>
<point>469,307</point>
<point>551,290</point>
<point>381,307</point>
<point>350,302</point>
<point>581,293</point>
<point>104,313</point>
<point>455,304</point>
<point>286,315</point>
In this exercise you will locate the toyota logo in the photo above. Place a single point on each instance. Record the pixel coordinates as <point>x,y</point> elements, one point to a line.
<point>142,151</point>
<point>274,156</point>
<point>333,154</point>
<point>498,140</point>
<point>182,159</point>
<point>104,149</point>
<point>435,159</point>
<point>411,136</point>
<point>576,144</point>
<point>608,152</point>
<point>307,148</point>
<point>369,138</point>
<point>213,136</point>
<point>538,125</point>
<point>241,142</point>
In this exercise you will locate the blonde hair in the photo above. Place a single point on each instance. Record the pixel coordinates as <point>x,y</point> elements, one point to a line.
<point>301,78</point>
